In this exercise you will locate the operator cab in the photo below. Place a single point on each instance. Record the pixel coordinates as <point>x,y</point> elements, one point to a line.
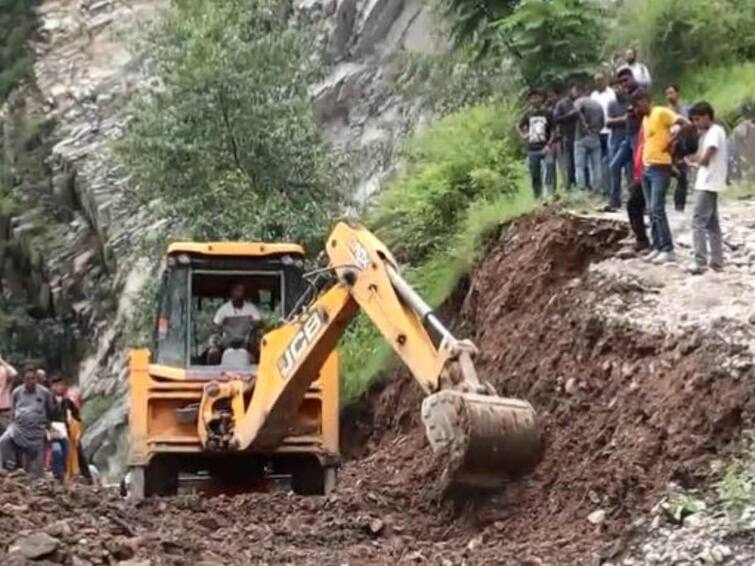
<point>217,299</point>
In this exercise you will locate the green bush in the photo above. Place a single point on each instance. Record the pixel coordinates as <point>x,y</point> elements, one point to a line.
<point>227,146</point>
<point>463,157</point>
<point>554,41</point>
<point>730,89</point>
<point>463,178</point>
<point>676,36</point>
<point>17,25</point>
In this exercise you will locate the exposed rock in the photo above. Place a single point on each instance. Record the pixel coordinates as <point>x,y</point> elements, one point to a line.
<point>34,546</point>
<point>742,145</point>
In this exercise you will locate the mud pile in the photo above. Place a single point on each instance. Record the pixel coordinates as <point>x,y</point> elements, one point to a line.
<point>624,413</point>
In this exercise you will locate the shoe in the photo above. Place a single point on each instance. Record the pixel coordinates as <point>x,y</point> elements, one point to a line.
<point>651,255</point>
<point>641,246</point>
<point>696,269</point>
<point>718,268</point>
<point>609,208</point>
<point>664,257</point>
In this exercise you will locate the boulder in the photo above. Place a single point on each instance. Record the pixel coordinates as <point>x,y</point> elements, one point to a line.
<point>742,152</point>
<point>36,545</point>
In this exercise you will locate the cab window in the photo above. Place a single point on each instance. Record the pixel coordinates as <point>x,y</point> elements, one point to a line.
<point>170,330</point>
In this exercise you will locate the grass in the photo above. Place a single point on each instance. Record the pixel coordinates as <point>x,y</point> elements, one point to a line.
<point>736,486</point>
<point>729,89</point>
<point>365,355</point>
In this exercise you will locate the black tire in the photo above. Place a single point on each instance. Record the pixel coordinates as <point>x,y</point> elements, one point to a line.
<point>161,477</point>
<point>309,477</point>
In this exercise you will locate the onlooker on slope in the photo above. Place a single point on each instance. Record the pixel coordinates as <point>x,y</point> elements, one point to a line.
<point>7,374</point>
<point>620,149</point>
<point>680,169</point>
<point>636,200</point>
<point>552,150</point>
<point>536,128</point>
<point>711,179</point>
<point>31,405</point>
<point>657,125</point>
<point>639,71</point>
<point>587,153</point>
<point>603,95</point>
<point>566,123</point>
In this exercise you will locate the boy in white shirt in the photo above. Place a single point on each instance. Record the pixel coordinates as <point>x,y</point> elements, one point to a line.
<point>711,161</point>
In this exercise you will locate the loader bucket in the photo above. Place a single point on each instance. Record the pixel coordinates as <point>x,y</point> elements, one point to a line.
<point>482,440</point>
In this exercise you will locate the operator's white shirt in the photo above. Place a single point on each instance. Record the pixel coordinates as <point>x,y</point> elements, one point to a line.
<point>227,310</point>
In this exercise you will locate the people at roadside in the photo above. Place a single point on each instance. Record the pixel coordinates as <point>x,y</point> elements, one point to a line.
<point>565,119</point>
<point>587,149</point>
<point>552,150</point>
<point>639,70</point>
<point>620,150</point>
<point>659,125</point>
<point>679,169</point>
<point>536,128</point>
<point>711,162</point>
<point>636,200</point>
<point>603,95</point>
<point>42,378</point>
<point>62,442</point>
<point>7,375</point>
<point>24,440</point>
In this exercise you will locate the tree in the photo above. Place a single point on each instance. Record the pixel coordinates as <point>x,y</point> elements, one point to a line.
<point>471,21</point>
<point>226,145</point>
<point>553,41</point>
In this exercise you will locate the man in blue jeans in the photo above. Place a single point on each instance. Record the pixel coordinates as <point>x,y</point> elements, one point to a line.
<point>536,128</point>
<point>620,146</point>
<point>660,125</point>
<point>587,148</point>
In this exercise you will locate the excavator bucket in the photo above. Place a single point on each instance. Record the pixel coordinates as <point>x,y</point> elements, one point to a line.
<point>482,441</point>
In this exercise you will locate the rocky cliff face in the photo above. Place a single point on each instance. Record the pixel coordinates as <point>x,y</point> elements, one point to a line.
<point>81,270</point>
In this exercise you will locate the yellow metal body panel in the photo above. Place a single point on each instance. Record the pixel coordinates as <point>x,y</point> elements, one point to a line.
<point>157,391</point>
<point>234,248</point>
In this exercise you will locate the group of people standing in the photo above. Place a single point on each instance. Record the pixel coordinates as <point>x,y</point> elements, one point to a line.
<point>615,136</point>
<point>40,425</point>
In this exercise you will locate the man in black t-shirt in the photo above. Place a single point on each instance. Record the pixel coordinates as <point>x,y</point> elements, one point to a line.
<point>536,128</point>
<point>566,122</point>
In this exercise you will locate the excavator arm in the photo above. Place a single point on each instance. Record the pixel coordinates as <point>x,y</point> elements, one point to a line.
<point>464,419</point>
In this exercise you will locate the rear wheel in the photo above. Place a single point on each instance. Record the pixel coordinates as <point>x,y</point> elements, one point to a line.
<point>309,477</point>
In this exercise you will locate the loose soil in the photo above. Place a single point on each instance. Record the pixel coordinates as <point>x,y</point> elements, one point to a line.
<point>624,413</point>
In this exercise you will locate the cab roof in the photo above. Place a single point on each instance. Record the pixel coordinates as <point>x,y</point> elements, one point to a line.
<point>251,249</point>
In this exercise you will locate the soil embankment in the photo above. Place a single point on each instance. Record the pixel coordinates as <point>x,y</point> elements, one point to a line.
<point>624,412</point>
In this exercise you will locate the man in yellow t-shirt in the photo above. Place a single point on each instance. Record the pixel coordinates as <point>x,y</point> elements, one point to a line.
<point>659,124</point>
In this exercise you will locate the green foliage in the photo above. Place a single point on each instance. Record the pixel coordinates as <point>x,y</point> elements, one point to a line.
<point>227,146</point>
<point>682,504</point>
<point>676,36</point>
<point>736,487</point>
<point>730,89</point>
<point>17,25</point>
<point>554,41</point>
<point>471,21</point>
<point>461,158</point>
<point>364,353</point>
<point>462,179</point>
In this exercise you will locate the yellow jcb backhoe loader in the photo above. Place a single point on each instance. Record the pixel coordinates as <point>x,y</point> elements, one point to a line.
<point>195,419</point>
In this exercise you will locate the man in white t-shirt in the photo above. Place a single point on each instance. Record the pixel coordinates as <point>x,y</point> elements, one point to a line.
<point>603,95</point>
<point>711,161</point>
<point>235,321</point>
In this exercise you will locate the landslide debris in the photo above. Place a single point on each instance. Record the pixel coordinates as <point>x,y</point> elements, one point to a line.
<point>624,413</point>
